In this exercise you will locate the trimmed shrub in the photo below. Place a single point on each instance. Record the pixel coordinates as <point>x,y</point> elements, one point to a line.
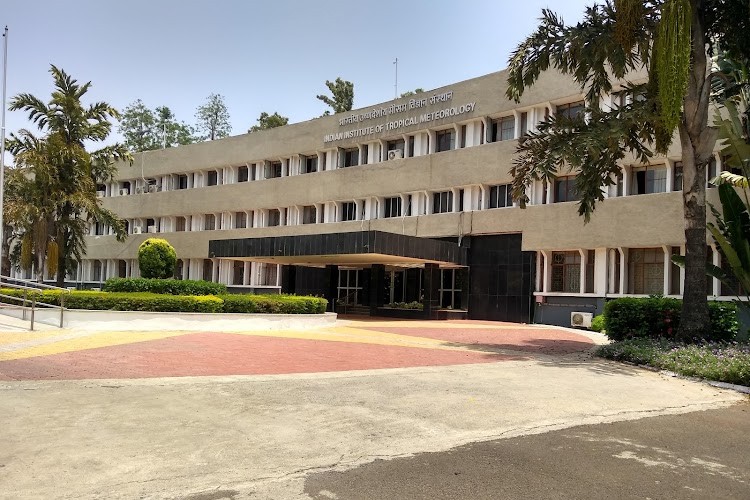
<point>417,306</point>
<point>144,301</point>
<point>654,317</point>
<point>120,301</point>
<point>274,304</point>
<point>597,324</point>
<point>165,286</point>
<point>156,258</point>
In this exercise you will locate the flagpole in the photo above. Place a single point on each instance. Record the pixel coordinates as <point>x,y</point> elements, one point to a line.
<point>2,143</point>
<point>395,86</point>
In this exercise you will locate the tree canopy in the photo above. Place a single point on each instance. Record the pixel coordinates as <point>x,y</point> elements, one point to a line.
<point>52,199</point>
<point>213,118</point>
<point>266,121</point>
<point>145,129</point>
<point>343,95</point>
<point>410,93</point>
<point>667,39</point>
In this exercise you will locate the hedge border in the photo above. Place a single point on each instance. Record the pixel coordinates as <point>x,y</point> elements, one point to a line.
<point>145,301</point>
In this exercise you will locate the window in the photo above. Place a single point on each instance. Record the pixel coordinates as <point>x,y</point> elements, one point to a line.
<point>500,196</point>
<point>267,274</point>
<point>590,266</point>
<point>100,229</point>
<point>240,220</point>
<point>122,269</point>
<point>274,170</point>
<point>393,207</point>
<point>208,270</point>
<point>733,286</point>
<point>180,224</point>
<point>351,157</point>
<point>212,178</point>
<point>243,174</point>
<point>442,202</point>
<point>126,187</point>
<point>646,270</point>
<point>445,140</point>
<point>309,164</point>
<point>96,271</point>
<point>566,272</point>
<point>308,214</point>
<point>209,222</point>
<point>677,176</point>
<point>411,146</point>
<point>179,269</point>
<point>238,272</point>
<point>571,110</point>
<point>524,122</point>
<point>450,288</point>
<point>504,129</point>
<point>348,211</point>
<point>365,153</point>
<point>182,181</point>
<point>350,289</point>
<point>565,189</point>
<point>274,218</point>
<point>397,144</point>
<point>648,180</point>
<point>463,136</point>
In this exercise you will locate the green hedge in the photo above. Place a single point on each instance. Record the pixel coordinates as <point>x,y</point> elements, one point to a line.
<point>655,317</point>
<point>165,286</point>
<point>144,301</point>
<point>274,304</point>
<point>122,301</point>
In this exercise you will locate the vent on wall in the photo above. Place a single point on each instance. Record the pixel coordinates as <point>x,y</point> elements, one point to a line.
<point>581,319</point>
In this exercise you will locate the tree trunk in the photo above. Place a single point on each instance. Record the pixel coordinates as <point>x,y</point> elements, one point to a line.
<point>698,141</point>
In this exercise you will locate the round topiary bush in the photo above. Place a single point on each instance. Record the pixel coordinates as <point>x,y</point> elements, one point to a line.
<point>156,258</point>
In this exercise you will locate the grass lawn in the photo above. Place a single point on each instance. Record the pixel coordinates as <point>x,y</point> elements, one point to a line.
<point>723,362</point>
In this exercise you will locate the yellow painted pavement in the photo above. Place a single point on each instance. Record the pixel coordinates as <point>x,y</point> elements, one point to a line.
<point>350,334</point>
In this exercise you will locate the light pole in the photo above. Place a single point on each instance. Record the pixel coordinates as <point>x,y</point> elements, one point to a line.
<point>2,143</point>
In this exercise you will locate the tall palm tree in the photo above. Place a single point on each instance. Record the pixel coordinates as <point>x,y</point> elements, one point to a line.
<point>667,39</point>
<point>71,173</point>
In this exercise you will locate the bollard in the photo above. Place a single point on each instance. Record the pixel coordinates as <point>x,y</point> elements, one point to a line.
<point>33,306</point>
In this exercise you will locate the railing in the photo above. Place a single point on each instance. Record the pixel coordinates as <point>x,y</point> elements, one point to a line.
<point>342,304</point>
<point>32,286</point>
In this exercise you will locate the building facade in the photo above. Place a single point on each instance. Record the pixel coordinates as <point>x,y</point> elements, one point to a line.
<point>404,201</point>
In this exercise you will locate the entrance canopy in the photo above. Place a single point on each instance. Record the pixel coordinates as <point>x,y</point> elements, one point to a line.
<point>361,248</point>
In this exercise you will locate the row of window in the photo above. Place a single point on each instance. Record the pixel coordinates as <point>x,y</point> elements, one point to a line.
<point>473,134</point>
<point>645,271</point>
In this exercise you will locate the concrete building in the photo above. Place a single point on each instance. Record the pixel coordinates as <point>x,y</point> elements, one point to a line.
<point>403,201</point>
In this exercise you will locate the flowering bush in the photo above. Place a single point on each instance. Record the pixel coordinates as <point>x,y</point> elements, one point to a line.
<point>721,361</point>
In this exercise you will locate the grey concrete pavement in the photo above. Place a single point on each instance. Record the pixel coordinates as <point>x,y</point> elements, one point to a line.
<point>700,455</point>
<point>261,436</point>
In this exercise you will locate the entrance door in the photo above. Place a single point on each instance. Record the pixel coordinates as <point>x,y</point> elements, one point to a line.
<point>350,286</point>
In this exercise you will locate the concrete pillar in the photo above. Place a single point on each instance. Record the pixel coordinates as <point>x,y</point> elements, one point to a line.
<point>623,270</point>
<point>582,271</point>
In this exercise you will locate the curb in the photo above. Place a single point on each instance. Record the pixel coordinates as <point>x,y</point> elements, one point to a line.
<point>721,385</point>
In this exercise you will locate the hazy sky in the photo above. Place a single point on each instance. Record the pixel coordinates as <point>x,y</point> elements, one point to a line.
<point>261,56</point>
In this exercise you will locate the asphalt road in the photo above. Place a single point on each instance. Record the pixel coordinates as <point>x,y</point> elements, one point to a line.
<point>700,455</point>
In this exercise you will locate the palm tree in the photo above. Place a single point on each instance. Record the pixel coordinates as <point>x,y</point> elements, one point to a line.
<point>66,192</point>
<point>667,39</point>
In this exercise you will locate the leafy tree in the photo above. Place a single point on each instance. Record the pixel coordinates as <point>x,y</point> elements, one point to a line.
<point>170,132</point>
<point>343,95</point>
<point>156,258</point>
<point>213,118</point>
<point>266,121</point>
<point>145,129</point>
<point>57,176</point>
<point>410,93</point>
<point>137,127</point>
<point>667,39</point>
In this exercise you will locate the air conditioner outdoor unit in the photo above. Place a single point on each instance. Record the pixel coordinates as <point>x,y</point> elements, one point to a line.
<point>395,153</point>
<point>124,192</point>
<point>152,229</point>
<point>139,190</point>
<point>581,319</point>
<point>100,194</point>
<point>154,188</point>
<point>137,230</point>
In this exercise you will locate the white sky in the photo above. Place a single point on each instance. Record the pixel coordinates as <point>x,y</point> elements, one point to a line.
<point>260,55</point>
